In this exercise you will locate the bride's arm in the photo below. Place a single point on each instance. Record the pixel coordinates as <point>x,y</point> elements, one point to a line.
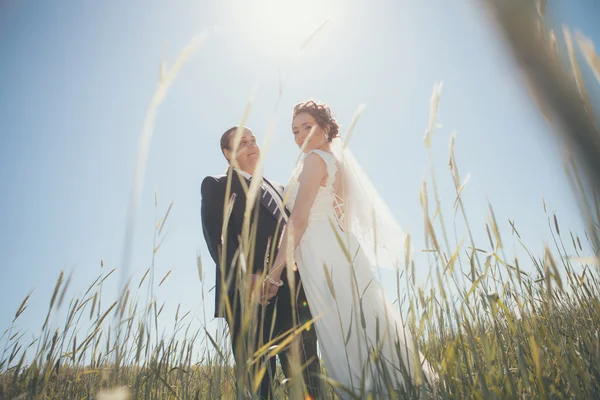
<point>314,173</point>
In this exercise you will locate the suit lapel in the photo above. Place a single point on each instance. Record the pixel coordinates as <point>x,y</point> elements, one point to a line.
<point>238,178</point>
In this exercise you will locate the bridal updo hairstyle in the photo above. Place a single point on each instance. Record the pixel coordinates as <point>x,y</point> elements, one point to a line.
<point>322,114</point>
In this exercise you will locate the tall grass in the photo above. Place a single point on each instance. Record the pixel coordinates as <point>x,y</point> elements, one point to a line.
<point>491,325</point>
<point>506,334</point>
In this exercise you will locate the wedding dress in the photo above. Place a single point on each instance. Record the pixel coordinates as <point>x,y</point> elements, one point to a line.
<point>364,344</point>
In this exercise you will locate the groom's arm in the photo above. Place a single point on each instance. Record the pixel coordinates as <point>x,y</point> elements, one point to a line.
<point>279,187</point>
<point>213,196</point>
<point>212,211</point>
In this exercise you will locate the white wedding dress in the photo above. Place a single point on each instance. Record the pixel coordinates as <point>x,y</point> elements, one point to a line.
<point>360,333</point>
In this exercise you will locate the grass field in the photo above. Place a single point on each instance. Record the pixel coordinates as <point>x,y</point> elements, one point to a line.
<point>489,329</point>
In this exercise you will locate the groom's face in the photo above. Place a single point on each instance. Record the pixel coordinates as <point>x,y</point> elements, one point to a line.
<point>248,152</point>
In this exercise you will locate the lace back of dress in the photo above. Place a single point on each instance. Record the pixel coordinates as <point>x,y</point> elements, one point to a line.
<point>339,204</point>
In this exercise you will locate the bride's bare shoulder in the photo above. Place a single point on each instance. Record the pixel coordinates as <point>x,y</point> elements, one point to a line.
<point>314,167</point>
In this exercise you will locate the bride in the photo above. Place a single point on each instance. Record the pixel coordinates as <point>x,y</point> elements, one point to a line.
<point>340,230</point>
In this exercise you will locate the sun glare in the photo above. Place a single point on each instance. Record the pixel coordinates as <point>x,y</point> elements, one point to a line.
<point>281,26</point>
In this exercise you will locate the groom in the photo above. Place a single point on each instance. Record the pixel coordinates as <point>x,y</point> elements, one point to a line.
<point>267,218</point>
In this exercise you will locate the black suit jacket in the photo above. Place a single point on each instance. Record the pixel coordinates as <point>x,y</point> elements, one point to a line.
<point>268,230</point>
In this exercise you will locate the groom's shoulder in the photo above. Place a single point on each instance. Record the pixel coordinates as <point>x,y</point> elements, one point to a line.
<point>276,185</point>
<point>213,181</point>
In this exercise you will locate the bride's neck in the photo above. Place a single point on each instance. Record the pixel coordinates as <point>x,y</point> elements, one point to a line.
<point>326,147</point>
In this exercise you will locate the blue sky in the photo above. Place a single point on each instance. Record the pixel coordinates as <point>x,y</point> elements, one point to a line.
<point>77,78</point>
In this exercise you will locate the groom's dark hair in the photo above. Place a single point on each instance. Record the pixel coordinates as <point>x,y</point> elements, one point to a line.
<point>226,140</point>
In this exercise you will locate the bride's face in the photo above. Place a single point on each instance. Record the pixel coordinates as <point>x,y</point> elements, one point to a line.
<point>307,133</point>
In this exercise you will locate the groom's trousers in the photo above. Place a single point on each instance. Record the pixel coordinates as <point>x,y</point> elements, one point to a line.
<point>273,323</point>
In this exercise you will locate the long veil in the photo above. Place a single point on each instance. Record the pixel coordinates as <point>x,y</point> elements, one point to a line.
<point>367,216</point>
